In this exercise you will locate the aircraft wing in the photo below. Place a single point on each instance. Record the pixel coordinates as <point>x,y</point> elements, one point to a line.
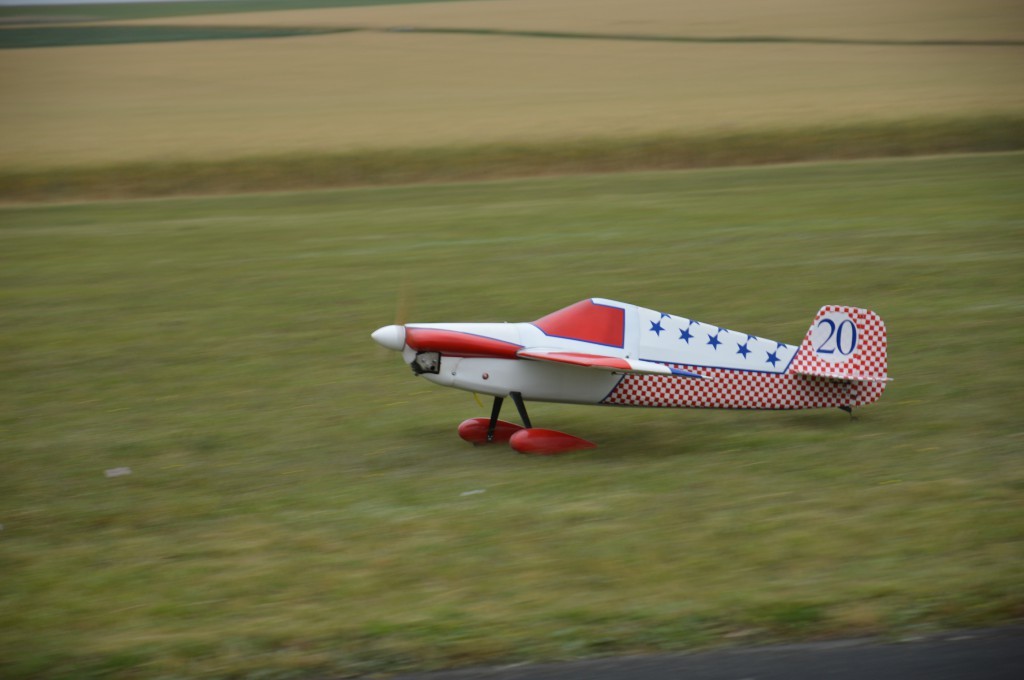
<point>603,363</point>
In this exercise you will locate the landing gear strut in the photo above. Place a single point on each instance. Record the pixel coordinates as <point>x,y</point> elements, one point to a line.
<point>492,424</point>
<point>517,397</point>
<point>528,439</point>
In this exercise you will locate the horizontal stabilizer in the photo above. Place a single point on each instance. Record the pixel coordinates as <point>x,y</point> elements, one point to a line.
<point>604,363</point>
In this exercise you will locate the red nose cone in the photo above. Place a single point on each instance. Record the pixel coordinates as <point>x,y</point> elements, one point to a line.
<point>547,442</point>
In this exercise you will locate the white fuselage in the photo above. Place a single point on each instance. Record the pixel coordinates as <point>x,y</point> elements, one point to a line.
<point>728,369</point>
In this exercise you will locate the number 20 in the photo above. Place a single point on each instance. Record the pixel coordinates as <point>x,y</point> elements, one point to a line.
<point>838,340</point>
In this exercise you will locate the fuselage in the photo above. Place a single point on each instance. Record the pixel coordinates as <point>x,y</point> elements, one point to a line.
<point>736,370</point>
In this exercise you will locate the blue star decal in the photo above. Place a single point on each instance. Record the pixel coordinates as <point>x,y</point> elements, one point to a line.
<point>722,330</point>
<point>773,358</point>
<point>779,345</point>
<point>743,350</point>
<point>664,316</point>
<point>685,334</point>
<point>751,337</point>
<point>656,327</point>
<point>714,341</point>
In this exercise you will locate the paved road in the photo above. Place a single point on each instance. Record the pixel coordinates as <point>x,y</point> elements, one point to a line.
<point>969,655</point>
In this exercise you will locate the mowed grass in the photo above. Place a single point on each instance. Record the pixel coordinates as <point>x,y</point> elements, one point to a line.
<point>297,498</point>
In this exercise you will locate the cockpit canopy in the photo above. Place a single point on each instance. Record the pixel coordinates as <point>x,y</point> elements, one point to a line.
<point>586,321</point>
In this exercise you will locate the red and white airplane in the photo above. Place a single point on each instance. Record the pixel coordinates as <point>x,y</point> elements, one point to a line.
<point>616,354</point>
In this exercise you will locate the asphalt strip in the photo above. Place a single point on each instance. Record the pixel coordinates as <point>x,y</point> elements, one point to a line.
<point>991,654</point>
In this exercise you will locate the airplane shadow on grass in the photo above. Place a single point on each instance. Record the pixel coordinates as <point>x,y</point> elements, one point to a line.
<point>670,434</point>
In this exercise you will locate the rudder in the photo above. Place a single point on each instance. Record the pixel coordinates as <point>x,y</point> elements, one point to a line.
<point>844,343</point>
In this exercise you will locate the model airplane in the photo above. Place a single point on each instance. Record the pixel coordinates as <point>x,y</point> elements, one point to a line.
<point>612,353</point>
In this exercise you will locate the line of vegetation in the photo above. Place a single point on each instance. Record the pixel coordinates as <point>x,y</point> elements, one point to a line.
<point>156,10</point>
<point>996,133</point>
<point>771,39</point>
<point>68,36</point>
<point>21,37</point>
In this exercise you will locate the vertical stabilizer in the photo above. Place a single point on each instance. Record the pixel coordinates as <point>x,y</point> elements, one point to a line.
<point>845,343</point>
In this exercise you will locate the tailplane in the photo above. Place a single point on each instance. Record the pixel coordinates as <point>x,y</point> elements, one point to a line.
<point>844,343</point>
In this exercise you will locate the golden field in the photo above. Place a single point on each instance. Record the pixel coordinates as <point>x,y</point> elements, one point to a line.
<point>75,106</point>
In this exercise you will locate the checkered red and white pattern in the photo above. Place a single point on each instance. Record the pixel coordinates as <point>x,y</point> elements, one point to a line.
<point>868,360</point>
<point>810,382</point>
<point>724,388</point>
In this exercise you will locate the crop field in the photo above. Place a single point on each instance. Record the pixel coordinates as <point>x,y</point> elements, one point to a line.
<point>449,74</point>
<point>299,503</point>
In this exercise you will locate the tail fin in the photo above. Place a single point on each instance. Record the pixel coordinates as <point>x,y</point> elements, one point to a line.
<point>845,343</point>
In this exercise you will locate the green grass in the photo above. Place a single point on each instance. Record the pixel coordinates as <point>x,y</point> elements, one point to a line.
<point>67,36</point>
<point>76,36</point>
<point>454,163</point>
<point>295,504</point>
<point>719,39</point>
<point>154,10</point>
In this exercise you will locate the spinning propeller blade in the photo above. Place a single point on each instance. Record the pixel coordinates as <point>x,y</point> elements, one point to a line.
<point>403,305</point>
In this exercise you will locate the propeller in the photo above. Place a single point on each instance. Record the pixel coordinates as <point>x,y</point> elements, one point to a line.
<point>393,337</point>
<point>403,304</point>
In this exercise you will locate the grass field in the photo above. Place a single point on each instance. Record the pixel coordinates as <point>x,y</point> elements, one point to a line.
<point>295,503</point>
